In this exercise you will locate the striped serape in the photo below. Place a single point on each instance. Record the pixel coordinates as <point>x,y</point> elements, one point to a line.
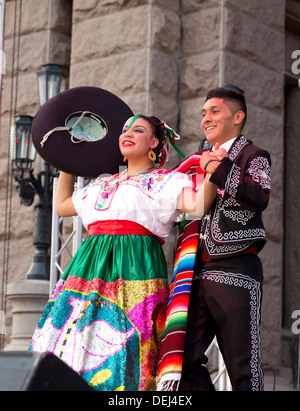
<point>172,345</point>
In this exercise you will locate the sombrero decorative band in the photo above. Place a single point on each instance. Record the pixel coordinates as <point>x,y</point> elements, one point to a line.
<point>65,128</point>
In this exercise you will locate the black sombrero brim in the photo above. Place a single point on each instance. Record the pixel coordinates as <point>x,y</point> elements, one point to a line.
<point>87,159</point>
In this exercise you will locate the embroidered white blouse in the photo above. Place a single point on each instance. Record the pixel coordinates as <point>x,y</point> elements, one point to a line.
<point>149,199</point>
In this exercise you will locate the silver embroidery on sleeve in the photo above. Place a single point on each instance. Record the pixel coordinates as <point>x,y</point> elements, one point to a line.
<point>260,172</point>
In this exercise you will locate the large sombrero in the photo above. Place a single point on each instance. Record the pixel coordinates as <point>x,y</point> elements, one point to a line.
<point>78,130</point>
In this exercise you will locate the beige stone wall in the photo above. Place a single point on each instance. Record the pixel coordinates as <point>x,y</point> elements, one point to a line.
<point>135,54</point>
<point>161,57</point>
<point>44,35</point>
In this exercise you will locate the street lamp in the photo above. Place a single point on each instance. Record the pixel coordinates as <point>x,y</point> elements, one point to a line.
<point>49,82</point>
<point>23,151</point>
<point>23,156</point>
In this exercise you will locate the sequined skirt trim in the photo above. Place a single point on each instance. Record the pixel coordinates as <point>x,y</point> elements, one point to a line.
<point>106,315</point>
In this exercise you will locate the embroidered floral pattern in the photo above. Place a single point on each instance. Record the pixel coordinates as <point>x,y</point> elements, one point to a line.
<point>233,180</point>
<point>231,227</point>
<point>237,147</point>
<point>241,216</point>
<point>260,172</point>
<point>148,183</point>
<point>220,249</point>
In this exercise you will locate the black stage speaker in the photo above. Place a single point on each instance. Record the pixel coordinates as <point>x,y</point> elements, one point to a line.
<point>21,371</point>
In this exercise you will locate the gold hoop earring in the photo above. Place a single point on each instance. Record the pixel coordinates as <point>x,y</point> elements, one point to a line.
<point>152,155</point>
<point>124,159</point>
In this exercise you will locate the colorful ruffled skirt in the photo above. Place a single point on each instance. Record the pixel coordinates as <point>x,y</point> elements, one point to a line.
<point>106,315</point>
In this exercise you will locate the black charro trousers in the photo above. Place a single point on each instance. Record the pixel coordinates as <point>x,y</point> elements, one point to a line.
<point>225,302</point>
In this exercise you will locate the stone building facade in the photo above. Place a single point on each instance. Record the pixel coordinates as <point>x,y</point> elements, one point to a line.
<point>161,57</point>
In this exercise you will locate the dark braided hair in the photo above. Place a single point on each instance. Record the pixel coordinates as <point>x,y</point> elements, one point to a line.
<point>159,132</point>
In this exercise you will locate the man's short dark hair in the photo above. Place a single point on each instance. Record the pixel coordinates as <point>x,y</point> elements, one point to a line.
<point>229,92</point>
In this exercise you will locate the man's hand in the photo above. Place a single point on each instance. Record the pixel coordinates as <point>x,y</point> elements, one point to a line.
<point>218,152</point>
<point>217,155</point>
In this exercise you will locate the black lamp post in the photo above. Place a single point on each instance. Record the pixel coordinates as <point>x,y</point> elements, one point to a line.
<point>49,81</point>
<point>23,151</point>
<point>23,156</point>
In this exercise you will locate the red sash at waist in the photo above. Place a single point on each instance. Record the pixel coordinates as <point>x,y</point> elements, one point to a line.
<point>119,227</point>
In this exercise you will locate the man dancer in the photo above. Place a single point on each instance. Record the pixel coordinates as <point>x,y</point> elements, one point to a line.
<point>226,291</point>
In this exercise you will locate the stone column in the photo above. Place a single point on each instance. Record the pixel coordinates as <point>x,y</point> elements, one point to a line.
<point>135,55</point>
<point>28,299</point>
<point>43,31</point>
<point>199,66</point>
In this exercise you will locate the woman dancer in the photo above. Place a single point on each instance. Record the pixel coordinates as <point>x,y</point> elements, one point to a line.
<point>107,312</point>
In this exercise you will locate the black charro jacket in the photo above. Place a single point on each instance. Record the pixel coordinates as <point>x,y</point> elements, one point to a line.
<point>234,223</point>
